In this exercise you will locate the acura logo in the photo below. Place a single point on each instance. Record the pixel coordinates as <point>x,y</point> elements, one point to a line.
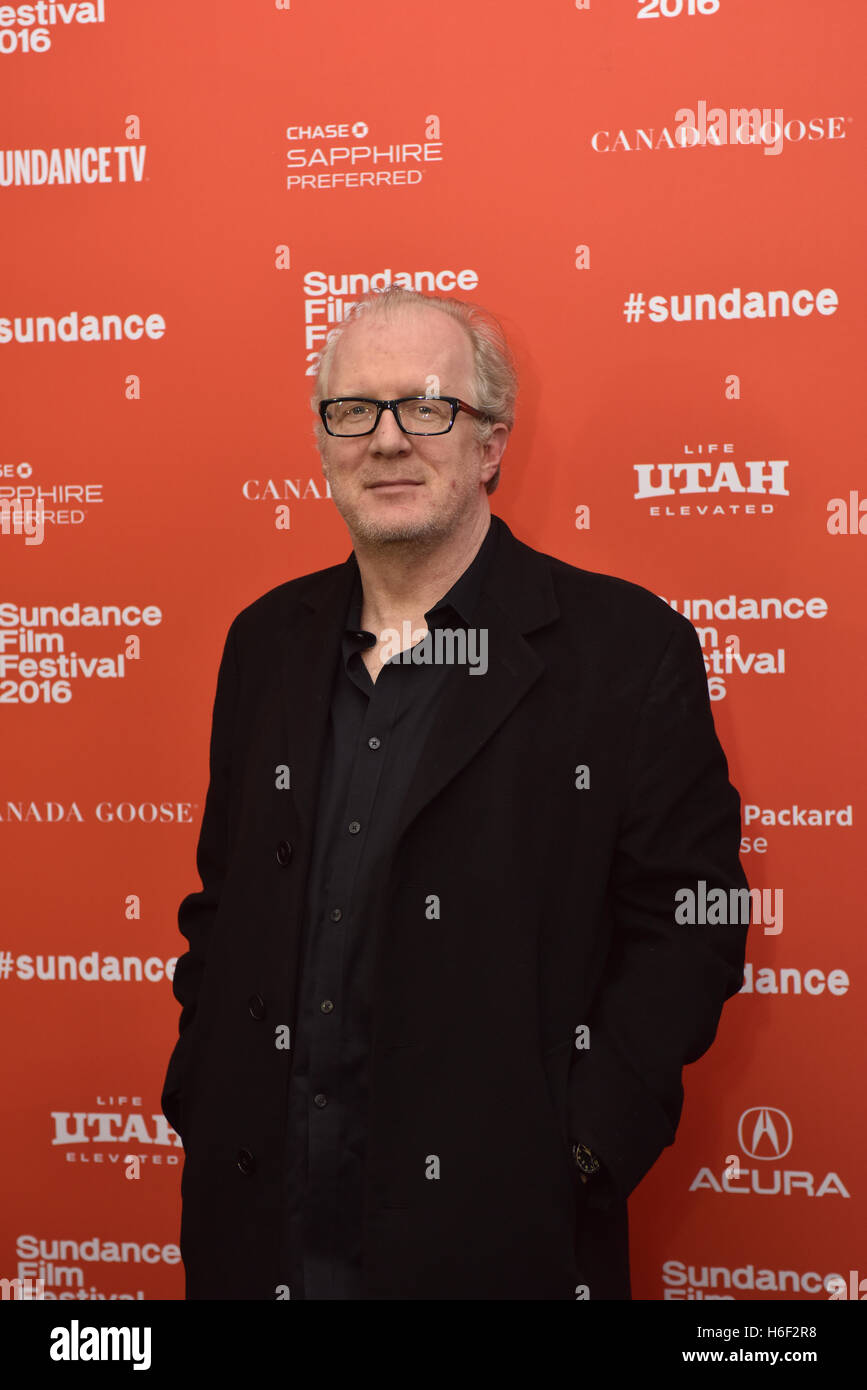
<point>765,1133</point>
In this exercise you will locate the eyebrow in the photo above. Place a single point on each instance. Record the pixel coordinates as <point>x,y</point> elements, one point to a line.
<point>350,394</point>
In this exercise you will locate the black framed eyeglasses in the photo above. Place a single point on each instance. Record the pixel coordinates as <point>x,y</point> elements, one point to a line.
<point>414,414</point>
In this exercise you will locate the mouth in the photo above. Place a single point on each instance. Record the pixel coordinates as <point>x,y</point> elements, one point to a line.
<point>393,485</point>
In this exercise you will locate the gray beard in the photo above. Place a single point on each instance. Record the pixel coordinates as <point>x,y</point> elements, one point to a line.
<point>389,537</point>
<point>398,533</point>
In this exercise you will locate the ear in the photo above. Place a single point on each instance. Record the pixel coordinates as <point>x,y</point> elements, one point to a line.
<point>492,451</point>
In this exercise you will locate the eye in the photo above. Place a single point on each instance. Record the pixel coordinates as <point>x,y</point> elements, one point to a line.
<point>350,410</point>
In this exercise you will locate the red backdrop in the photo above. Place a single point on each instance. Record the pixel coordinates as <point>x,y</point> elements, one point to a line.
<point>186,194</point>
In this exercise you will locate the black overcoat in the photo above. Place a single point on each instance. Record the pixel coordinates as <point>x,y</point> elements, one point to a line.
<point>561,800</point>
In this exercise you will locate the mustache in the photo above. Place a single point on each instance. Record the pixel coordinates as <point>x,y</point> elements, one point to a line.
<point>383,482</point>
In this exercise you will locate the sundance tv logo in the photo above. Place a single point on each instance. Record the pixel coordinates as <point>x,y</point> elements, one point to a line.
<point>765,1136</point>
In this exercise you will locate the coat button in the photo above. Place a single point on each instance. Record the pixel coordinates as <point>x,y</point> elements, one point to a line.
<point>246,1161</point>
<point>256,1005</point>
<point>284,852</point>
<point>320,1100</point>
<point>326,1006</point>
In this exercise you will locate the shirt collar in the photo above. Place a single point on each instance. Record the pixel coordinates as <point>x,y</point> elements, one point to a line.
<point>462,598</point>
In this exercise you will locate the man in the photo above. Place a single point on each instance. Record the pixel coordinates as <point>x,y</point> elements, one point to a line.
<point>437,1001</point>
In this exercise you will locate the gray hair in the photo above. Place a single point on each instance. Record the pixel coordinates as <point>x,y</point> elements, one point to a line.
<point>495,377</point>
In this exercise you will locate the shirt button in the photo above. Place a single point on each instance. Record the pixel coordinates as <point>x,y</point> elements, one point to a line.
<point>326,1006</point>
<point>284,852</point>
<point>335,914</point>
<point>373,742</point>
<point>354,827</point>
<point>320,1100</point>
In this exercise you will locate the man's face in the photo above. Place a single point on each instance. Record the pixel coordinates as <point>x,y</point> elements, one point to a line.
<point>389,486</point>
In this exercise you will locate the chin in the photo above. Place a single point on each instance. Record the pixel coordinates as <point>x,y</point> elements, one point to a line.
<point>388,532</point>
<point>383,530</point>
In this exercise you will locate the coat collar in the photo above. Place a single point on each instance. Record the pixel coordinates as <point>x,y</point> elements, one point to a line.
<point>517,597</point>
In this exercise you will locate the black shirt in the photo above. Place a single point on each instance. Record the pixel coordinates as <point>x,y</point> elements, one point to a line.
<point>375,735</point>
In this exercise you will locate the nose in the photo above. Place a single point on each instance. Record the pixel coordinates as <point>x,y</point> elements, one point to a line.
<point>388,437</point>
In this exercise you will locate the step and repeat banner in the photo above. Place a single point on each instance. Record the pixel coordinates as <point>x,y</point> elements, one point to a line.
<point>663,202</point>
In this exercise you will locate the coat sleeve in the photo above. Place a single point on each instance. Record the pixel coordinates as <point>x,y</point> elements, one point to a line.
<point>198,910</point>
<point>663,984</point>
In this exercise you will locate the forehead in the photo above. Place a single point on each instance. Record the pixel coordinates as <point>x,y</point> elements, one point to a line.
<point>402,347</point>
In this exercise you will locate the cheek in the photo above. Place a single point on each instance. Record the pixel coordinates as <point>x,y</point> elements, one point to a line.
<point>340,465</point>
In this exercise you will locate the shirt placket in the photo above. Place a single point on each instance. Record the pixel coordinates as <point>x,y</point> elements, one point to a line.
<point>327,1104</point>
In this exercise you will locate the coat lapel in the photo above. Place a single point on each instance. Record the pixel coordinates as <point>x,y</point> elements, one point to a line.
<point>517,598</point>
<point>310,650</point>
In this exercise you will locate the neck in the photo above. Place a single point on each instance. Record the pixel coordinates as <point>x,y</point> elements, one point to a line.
<point>402,581</point>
